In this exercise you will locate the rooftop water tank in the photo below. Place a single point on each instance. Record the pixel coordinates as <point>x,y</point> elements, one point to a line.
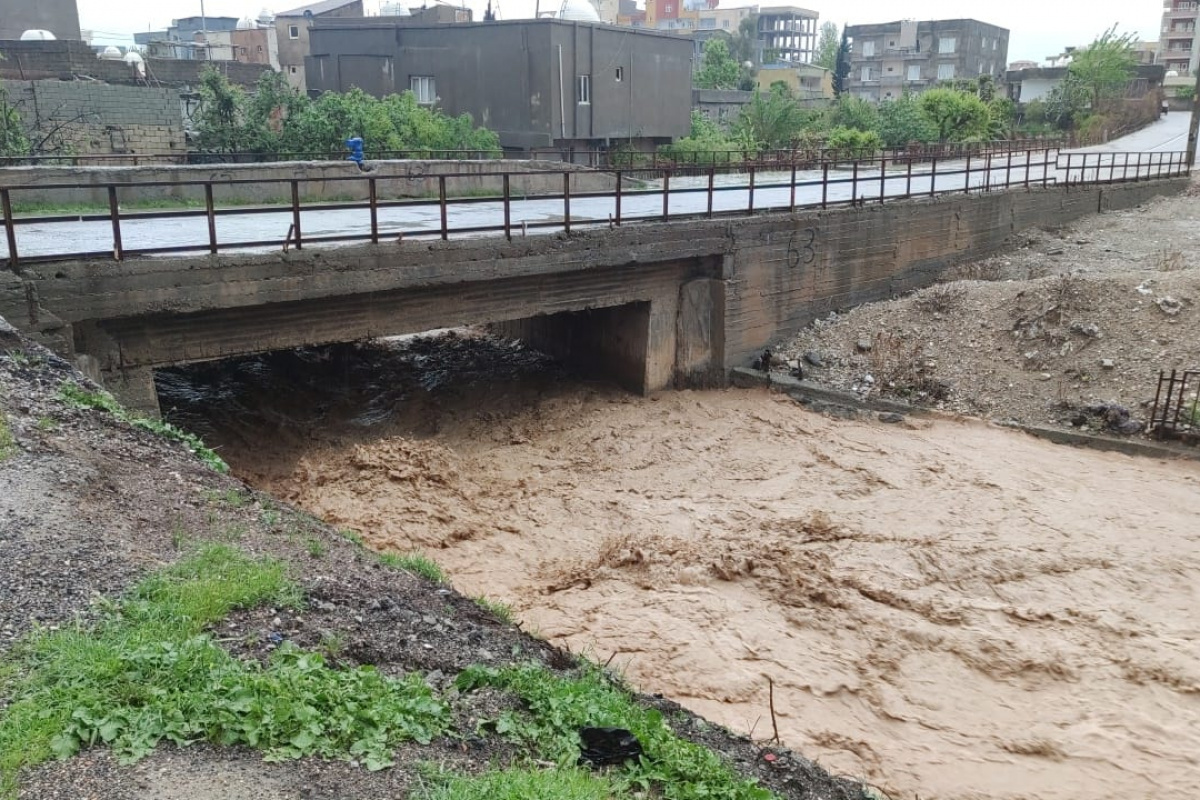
<point>579,11</point>
<point>111,53</point>
<point>37,36</point>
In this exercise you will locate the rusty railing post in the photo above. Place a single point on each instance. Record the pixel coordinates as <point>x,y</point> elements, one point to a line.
<point>442,207</point>
<point>296,213</point>
<point>373,199</point>
<point>10,229</point>
<point>824,184</point>
<point>854,184</point>
<point>968,181</point>
<point>567,203</point>
<point>115,215</point>
<point>619,189</point>
<point>508,206</point>
<point>792,198</point>
<point>750,209</point>
<point>666,195</point>
<point>712,174</point>
<point>908,180</point>
<point>1028,166</point>
<point>212,218</point>
<point>933,178</point>
<point>882,178</point>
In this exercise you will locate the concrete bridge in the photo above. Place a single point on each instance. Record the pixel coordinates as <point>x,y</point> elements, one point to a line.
<point>652,305</point>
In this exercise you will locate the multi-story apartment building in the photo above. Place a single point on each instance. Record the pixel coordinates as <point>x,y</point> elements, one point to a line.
<point>890,59</point>
<point>1177,50</point>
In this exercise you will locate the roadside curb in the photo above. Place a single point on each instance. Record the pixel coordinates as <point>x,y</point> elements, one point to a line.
<point>822,398</point>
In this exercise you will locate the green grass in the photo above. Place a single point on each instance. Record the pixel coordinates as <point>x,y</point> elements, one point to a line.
<point>352,535</point>
<point>8,444</point>
<point>521,783</point>
<point>671,767</point>
<point>316,548</point>
<point>416,563</point>
<point>148,672</point>
<point>76,396</point>
<point>501,610</point>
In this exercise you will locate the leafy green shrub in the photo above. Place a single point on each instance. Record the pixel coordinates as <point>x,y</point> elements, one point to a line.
<point>902,122</point>
<point>850,144</point>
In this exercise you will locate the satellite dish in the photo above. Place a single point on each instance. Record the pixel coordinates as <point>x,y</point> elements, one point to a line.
<point>579,11</point>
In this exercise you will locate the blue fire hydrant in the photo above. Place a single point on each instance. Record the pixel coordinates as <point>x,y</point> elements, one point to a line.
<point>355,145</point>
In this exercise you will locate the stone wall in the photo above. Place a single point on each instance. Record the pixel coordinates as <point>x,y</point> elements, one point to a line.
<point>89,117</point>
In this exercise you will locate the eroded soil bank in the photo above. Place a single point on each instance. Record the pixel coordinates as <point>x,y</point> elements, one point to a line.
<point>946,609</point>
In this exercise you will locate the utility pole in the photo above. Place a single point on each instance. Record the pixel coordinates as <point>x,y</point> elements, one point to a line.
<point>204,30</point>
<point>1195,124</point>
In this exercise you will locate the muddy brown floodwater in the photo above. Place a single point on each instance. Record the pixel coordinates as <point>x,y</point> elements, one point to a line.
<point>946,609</point>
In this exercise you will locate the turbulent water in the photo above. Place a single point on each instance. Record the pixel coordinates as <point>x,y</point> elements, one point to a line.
<point>945,609</point>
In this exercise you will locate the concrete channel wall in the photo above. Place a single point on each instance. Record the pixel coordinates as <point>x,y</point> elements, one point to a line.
<point>268,183</point>
<point>651,305</point>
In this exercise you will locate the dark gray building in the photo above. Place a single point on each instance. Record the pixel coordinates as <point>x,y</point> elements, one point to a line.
<point>60,17</point>
<point>542,83</point>
<point>892,58</point>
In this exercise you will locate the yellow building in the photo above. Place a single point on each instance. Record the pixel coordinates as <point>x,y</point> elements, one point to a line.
<point>805,81</point>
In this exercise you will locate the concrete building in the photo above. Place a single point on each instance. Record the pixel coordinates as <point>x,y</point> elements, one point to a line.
<point>1026,85</point>
<point>60,17</point>
<point>258,45</point>
<point>292,29</point>
<point>892,58</point>
<point>1177,50</point>
<point>541,83</point>
<point>789,32</point>
<point>190,38</point>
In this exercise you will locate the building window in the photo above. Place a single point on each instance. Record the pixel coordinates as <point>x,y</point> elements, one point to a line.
<point>891,44</point>
<point>868,49</point>
<point>725,23</point>
<point>293,31</point>
<point>866,74</point>
<point>945,72</point>
<point>620,74</point>
<point>914,72</point>
<point>292,70</point>
<point>985,43</point>
<point>423,87</point>
<point>946,44</point>
<point>583,89</point>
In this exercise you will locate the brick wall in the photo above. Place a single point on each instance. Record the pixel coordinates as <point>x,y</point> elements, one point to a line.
<point>92,117</point>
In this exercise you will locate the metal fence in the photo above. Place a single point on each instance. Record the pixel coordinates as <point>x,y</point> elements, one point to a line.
<point>1176,411</point>
<point>680,193</point>
<point>601,159</point>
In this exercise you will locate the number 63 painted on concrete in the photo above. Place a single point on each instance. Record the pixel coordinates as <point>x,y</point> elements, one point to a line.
<point>802,248</point>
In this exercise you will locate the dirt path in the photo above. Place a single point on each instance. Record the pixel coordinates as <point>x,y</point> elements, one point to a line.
<point>947,610</point>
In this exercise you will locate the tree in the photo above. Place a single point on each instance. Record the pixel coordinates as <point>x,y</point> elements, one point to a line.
<point>958,116</point>
<point>1105,67</point>
<point>841,70</point>
<point>903,122</point>
<point>220,117</point>
<point>771,120</point>
<point>14,141</point>
<point>718,70</point>
<point>827,47</point>
<point>855,113</point>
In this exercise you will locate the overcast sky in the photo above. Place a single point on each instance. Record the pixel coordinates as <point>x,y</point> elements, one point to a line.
<point>1039,27</point>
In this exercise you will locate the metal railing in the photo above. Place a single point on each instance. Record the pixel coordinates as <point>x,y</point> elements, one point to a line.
<point>608,159</point>
<point>119,233</point>
<point>1176,411</point>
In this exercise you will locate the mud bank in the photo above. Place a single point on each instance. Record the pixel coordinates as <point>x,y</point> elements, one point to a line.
<point>949,610</point>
